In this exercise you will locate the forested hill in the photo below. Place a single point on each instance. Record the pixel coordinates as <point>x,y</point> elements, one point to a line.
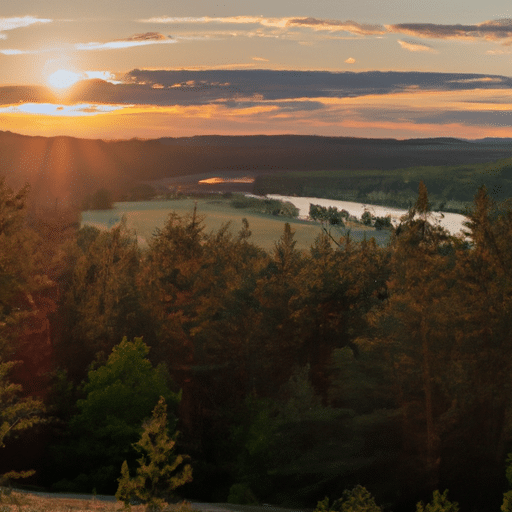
<point>69,168</point>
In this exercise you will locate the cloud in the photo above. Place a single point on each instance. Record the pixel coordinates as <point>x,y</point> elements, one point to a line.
<point>350,60</point>
<point>415,47</point>
<point>20,22</point>
<point>494,30</point>
<point>260,59</point>
<point>13,52</point>
<point>282,23</point>
<point>52,109</point>
<point>334,25</point>
<point>130,42</point>
<point>204,87</point>
<point>107,76</point>
<point>238,20</point>
<point>147,36</point>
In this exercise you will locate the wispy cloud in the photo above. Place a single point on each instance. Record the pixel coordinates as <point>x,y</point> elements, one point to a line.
<point>335,25</point>
<point>238,20</point>
<point>148,38</point>
<point>413,46</point>
<point>282,23</point>
<point>19,22</point>
<point>52,109</point>
<point>493,30</point>
<point>13,51</point>
<point>260,59</point>
<point>145,39</point>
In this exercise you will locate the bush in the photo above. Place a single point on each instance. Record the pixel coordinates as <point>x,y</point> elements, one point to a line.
<point>356,500</point>
<point>383,223</point>
<point>439,503</point>
<point>241,494</point>
<point>367,218</point>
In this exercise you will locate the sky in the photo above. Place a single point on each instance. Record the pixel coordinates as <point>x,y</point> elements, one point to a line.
<point>167,68</point>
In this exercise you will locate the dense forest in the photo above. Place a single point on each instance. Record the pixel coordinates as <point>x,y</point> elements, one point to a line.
<point>290,376</point>
<point>451,187</point>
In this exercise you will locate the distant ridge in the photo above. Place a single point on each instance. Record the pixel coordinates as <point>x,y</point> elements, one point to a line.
<point>270,140</point>
<point>493,140</point>
<point>67,169</point>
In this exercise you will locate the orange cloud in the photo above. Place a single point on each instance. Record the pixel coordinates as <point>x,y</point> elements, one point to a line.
<point>130,42</point>
<point>415,47</point>
<point>314,23</point>
<point>336,25</point>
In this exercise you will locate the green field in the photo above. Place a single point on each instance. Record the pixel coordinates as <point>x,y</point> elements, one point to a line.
<point>145,217</point>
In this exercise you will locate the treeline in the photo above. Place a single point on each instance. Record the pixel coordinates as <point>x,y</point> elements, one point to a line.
<point>451,188</point>
<point>290,375</point>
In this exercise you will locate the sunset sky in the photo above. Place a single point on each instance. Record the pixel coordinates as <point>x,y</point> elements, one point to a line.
<point>158,68</point>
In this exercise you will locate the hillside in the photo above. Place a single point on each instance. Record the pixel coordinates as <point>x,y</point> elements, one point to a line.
<point>67,169</point>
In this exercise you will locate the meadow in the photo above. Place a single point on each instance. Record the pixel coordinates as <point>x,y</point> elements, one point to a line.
<point>145,217</point>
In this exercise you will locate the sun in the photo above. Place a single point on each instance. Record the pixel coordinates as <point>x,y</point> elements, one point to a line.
<point>63,78</point>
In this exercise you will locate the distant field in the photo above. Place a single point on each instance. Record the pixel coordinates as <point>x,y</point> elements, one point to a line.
<point>145,217</point>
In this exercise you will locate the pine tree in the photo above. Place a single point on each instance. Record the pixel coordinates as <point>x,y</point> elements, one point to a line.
<point>158,474</point>
<point>15,414</point>
<point>415,329</point>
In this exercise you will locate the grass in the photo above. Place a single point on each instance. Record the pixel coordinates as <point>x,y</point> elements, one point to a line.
<point>145,217</point>
<point>15,501</point>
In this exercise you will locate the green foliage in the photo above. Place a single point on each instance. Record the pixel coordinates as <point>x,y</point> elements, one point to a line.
<point>16,415</point>
<point>439,503</point>
<point>328,217</point>
<point>267,206</point>
<point>241,494</point>
<point>507,502</point>
<point>119,395</point>
<point>160,471</point>
<point>383,223</point>
<point>367,218</point>
<point>123,388</point>
<point>357,499</point>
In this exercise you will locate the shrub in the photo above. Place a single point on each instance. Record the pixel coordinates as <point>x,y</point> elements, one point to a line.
<point>356,500</point>
<point>439,503</point>
<point>241,494</point>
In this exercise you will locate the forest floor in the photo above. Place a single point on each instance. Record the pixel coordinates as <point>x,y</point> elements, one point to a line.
<point>22,501</point>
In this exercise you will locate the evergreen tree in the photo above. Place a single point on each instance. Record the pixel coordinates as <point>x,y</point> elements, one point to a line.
<point>414,330</point>
<point>160,471</point>
<point>100,301</point>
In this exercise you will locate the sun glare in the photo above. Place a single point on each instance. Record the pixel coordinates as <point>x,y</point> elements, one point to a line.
<point>63,78</point>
